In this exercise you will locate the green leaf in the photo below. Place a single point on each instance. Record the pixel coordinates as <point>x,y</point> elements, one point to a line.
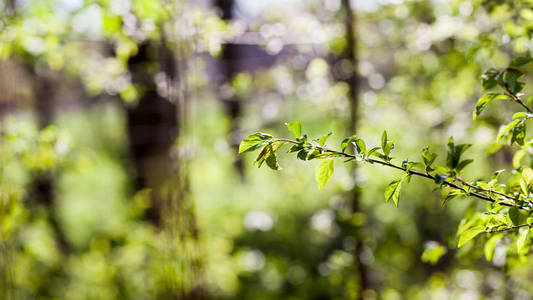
<point>360,146</point>
<point>428,157</point>
<point>463,164</point>
<point>521,241</point>
<point>295,128</point>
<point>469,234</point>
<point>388,147</point>
<point>518,134</point>
<point>448,194</point>
<point>518,157</point>
<point>489,79</point>
<point>323,139</point>
<point>488,249</point>
<point>295,148</point>
<point>373,151</point>
<point>514,215</point>
<point>346,142</point>
<point>268,155</point>
<point>506,129</point>
<point>302,155</point>
<point>520,61</point>
<point>454,153</point>
<point>433,251</point>
<point>485,100</point>
<point>254,141</point>
<point>520,115</point>
<point>511,77</point>
<point>323,173</point>
<point>527,174</point>
<point>384,140</point>
<point>271,159</point>
<point>313,154</point>
<point>392,191</point>
<point>529,100</point>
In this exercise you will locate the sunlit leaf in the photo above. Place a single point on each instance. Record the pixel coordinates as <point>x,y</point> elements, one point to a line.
<point>469,234</point>
<point>295,128</point>
<point>485,100</point>
<point>488,249</point>
<point>521,240</point>
<point>323,173</point>
<point>254,141</point>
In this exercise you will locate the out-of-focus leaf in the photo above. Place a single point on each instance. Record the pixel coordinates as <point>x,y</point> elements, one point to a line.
<point>488,249</point>
<point>324,171</point>
<point>485,100</point>
<point>469,234</point>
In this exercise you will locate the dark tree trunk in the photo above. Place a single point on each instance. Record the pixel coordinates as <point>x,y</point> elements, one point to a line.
<point>43,191</point>
<point>152,125</point>
<point>350,56</point>
<point>232,103</point>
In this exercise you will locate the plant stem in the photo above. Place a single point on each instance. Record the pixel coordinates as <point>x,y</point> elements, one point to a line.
<point>485,190</point>
<point>412,172</point>
<point>508,228</point>
<point>515,98</point>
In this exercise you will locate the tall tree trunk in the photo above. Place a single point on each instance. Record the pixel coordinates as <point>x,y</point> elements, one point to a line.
<point>350,55</point>
<point>43,189</point>
<point>152,128</point>
<point>155,124</point>
<point>232,103</point>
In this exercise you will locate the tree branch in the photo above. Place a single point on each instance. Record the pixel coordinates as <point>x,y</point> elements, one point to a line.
<point>412,172</point>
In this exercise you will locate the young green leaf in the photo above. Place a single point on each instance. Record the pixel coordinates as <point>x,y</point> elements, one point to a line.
<point>485,100</point>
<point>323,173</point>
<point>254,141</point>
<point>322,140</point>
<point>518,134</point>
<point>360,146</point>
<point>454,153</point>
<point>384,140</point>
<point>295,148</point>
<point>388,147</point>
<point>529,100</point>
<point>392,191</point>
<point>520,61</point>
<point>346,142</point>
<point>302,154</point>
<point>373,152</point>
<point>313,154</point>
<point>295,128</point>
<point>514,215</point>
<point>506,129</point>
<point>520,115</point>
<point>428,157</point>
<point>469,234</point>
<point>463,164</point>
<point>268,155</point>
<point>511,79</point>
<point>490,244</point>
<point>448,194</point>
<point>521,240</point>
<point>271,159</point>
<point>490,79</point>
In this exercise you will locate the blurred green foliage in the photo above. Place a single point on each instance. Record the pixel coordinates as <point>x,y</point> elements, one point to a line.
<point>268,235</point>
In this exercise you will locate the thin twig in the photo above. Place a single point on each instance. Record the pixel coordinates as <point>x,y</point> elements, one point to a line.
<point>410,172</point>
<point>508,228</point>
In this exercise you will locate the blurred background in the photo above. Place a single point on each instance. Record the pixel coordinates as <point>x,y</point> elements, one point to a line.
<point>120,122</point>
